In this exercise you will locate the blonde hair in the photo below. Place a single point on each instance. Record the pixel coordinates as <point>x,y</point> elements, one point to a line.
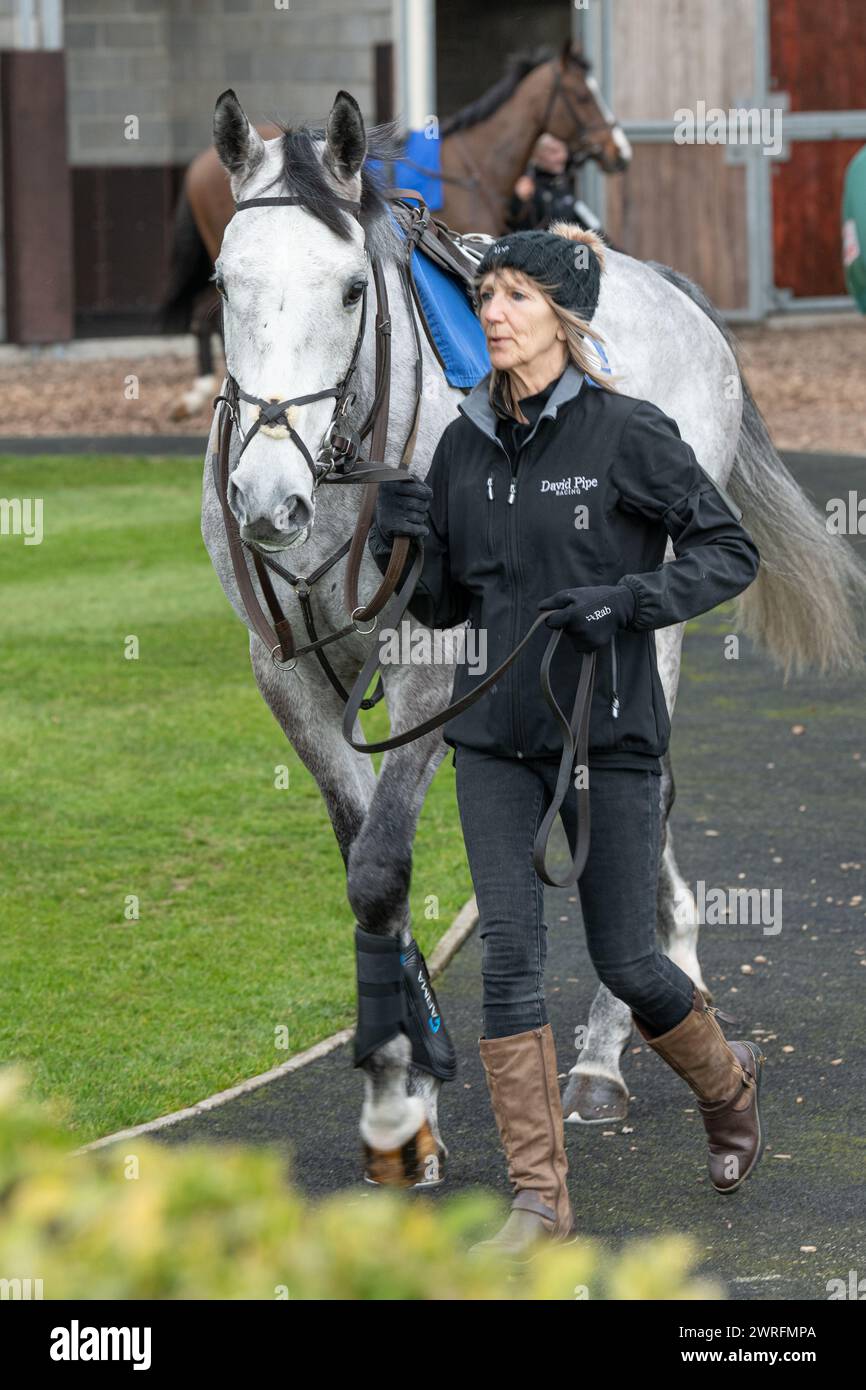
<point>577,330</point>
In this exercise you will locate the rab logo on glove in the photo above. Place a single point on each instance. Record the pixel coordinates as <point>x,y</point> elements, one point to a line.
<point>599,613</point>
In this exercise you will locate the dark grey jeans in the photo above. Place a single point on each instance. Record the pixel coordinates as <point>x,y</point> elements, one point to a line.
<point>501,802</point>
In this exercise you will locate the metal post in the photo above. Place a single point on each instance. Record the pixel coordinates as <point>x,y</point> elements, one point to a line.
<point>417,63</point>
<point>595,36</point>
<point>759,189</point>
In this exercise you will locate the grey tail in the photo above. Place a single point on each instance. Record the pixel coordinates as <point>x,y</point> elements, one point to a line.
<point>807,606</point>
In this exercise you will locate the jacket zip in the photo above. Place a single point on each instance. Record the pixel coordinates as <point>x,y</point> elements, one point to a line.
<point>512,493</point>
<point>519,733</point>
<point>517,702</point>
<point>514,606</point>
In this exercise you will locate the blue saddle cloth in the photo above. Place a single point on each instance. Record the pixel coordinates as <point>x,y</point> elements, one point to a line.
<point>423,149</point>
<point>452,321</point>
<point>454,325</point>
<point>605,365</point>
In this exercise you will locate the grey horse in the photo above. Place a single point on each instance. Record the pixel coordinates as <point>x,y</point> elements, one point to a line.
<point>289,276</point>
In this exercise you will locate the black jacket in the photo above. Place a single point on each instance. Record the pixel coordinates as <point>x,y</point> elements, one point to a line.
<point>552,198</point>
<point>598,484</point>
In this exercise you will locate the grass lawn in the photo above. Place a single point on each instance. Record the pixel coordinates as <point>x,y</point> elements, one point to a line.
<point>155,777</point>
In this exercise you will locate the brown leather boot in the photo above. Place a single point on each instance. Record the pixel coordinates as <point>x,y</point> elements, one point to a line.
<point>524,1093</point>
<point>726,1078</point>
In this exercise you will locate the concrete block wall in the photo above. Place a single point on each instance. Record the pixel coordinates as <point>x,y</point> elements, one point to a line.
<point>166,61</point>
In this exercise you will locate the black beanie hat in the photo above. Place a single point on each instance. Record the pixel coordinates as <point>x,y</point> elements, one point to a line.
<point>572,263</point>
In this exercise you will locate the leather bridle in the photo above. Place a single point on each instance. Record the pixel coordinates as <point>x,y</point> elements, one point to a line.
<point>274,412</point>
<point>558,92</point>
<point>336,462</point>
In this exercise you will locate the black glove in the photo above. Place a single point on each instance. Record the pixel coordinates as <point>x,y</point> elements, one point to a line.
<point>592,614</point>
<point>401,507</point>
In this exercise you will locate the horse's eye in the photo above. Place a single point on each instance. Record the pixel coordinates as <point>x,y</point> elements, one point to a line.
<point>354,292</point>
<point>220,285</point>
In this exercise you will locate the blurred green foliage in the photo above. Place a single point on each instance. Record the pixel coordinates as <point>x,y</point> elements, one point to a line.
<point>141,1221</point>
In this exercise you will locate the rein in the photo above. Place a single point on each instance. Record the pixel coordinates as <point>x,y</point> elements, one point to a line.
<point>337,463</point>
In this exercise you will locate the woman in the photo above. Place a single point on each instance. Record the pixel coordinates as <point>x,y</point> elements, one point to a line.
<point>551,490</point>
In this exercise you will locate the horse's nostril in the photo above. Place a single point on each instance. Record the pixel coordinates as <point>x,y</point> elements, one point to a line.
<point>293,514</point>
<point>235,498</point>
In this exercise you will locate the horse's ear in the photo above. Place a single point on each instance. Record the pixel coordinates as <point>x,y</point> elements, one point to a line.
<point>345,136</point>
<point>572,55</point>
<point>238,144</point>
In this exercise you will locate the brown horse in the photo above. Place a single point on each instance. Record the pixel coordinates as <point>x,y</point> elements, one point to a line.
<point>486,146</point>
<point>484,149</point>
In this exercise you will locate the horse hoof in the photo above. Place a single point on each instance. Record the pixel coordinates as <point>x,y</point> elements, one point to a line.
<point>593,1100</point>
<point>417,1163</point>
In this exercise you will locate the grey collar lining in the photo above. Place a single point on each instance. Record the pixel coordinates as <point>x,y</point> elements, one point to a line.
<point>477,408</point>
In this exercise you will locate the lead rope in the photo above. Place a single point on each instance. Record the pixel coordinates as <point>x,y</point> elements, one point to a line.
<point>574,730</point>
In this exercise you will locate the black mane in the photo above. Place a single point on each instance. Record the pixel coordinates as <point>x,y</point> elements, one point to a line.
<point>301,173</point>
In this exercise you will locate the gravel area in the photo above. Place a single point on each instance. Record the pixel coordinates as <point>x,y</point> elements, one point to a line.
<point>809,384</point>
<point>808,381</point>
<point>45,396</point>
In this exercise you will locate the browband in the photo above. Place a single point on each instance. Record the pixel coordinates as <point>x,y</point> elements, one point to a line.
<point>289,199</point>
